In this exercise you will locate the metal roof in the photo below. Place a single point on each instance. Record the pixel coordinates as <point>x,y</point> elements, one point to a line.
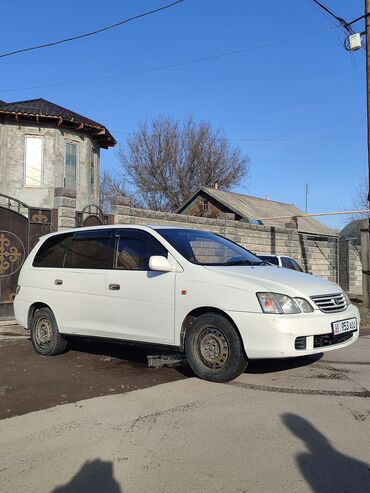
<point>249,207</point>
<point>41,108</point>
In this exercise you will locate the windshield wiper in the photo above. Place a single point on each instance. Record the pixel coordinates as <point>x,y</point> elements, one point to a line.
<point>243,262</point>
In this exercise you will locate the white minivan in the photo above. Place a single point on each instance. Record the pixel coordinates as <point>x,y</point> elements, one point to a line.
<point>192,290</point>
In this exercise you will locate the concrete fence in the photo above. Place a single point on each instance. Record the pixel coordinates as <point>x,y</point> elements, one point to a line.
<point>316,254</point>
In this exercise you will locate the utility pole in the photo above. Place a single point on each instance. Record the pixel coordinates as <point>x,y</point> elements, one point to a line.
<point>367,32</point>
<point>353,43</point>
<point>307,191</point>
<point>365,255</point>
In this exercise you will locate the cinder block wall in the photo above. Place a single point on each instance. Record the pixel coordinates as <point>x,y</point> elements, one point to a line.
<point>355,269</point>
<point>317,255</point>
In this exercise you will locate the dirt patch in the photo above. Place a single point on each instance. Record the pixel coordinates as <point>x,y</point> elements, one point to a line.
<point>365,315</point>
<point>365,329</point>
<point>30,382</point>
<point>328,376</point>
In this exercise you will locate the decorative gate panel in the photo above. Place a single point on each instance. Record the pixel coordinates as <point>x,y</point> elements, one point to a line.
<point>91,215</point>
<point>20,228</point>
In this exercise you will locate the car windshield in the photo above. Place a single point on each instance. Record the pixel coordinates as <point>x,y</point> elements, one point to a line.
<point>205,248</point>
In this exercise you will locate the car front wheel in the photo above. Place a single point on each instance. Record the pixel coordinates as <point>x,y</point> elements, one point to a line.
<point>214,349</point>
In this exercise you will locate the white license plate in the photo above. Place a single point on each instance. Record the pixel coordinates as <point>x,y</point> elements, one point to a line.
<point>349,325</point>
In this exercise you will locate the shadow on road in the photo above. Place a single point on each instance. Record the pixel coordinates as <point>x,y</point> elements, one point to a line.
<point>93,476</point>
<point>136,355</point>
<point>274,365</point>
<point>325,469</point>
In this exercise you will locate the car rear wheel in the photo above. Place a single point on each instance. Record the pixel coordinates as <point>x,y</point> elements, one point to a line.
<point>214,349</point>
<point>45,336</point>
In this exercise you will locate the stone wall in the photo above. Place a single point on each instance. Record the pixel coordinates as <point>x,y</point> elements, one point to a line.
<point>317,255</point>
<point>65,203</point>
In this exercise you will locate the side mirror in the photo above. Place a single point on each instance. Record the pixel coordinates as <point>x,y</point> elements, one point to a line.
<point>160,264</point>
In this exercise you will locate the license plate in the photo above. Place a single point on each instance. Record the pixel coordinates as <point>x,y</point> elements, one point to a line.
<point>343,326</point>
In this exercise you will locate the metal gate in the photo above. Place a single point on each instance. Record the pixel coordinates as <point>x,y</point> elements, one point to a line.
<point>20,228</point>
<point>343,263</point>
<point>91,215</point>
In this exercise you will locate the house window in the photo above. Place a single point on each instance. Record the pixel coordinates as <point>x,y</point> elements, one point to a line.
<point>205,205</point>
<point>93,171</point>
<point>70,165</point>
<point>33,161</point>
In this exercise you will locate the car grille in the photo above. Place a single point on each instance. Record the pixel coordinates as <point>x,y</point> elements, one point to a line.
<point>330,303</point>
<point>329,339</point>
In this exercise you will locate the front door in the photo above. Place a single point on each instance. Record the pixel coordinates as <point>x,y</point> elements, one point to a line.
<point>141,302</point>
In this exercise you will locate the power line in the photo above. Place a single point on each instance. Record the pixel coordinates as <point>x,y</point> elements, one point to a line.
<point>169,66</point>
<point>91,33</point>
<point>299,139</point>
<point>345,26</point>
<point>326,9</point>
<point>268,139</point>
<point>316,6</point>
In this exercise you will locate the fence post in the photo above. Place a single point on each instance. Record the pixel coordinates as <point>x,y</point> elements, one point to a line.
<point>365,261</point>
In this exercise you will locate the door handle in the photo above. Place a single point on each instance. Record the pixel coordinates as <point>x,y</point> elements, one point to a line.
<point>114,287</point>
<point>58,282</point>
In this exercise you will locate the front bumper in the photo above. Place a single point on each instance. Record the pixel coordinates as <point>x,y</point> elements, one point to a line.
<point>274,336</point>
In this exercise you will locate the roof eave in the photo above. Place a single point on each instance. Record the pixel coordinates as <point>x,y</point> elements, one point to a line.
<point>104,137</point>
<point>185,204</point>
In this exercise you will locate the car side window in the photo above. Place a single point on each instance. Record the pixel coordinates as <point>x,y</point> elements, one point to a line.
<point>288,263</point>
<point>271,259</point>
<point>134,249</point>
<point>296,265</point>
<point>90,250</point>
<point>52,252</point>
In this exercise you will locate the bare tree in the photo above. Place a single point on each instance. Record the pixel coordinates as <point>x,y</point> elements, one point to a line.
<point>110,186</point>
<point>167,160</point>
<point>359,200</point>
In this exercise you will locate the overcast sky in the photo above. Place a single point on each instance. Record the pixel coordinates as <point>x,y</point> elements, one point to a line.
<point>298,107</point>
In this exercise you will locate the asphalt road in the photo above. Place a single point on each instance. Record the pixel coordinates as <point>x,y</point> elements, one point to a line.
<point>297,426</point>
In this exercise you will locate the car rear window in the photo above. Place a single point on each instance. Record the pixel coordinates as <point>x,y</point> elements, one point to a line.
<point>52,252</point>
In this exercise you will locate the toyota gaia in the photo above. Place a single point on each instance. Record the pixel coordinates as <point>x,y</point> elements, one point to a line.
<point>191,290</point>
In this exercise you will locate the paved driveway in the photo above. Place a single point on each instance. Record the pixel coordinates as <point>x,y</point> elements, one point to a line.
<point>279,427</point>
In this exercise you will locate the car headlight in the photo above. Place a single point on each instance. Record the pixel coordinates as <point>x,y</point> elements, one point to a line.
<point>304,305</point>
<point>281,303</point>
<point>347,298</point>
